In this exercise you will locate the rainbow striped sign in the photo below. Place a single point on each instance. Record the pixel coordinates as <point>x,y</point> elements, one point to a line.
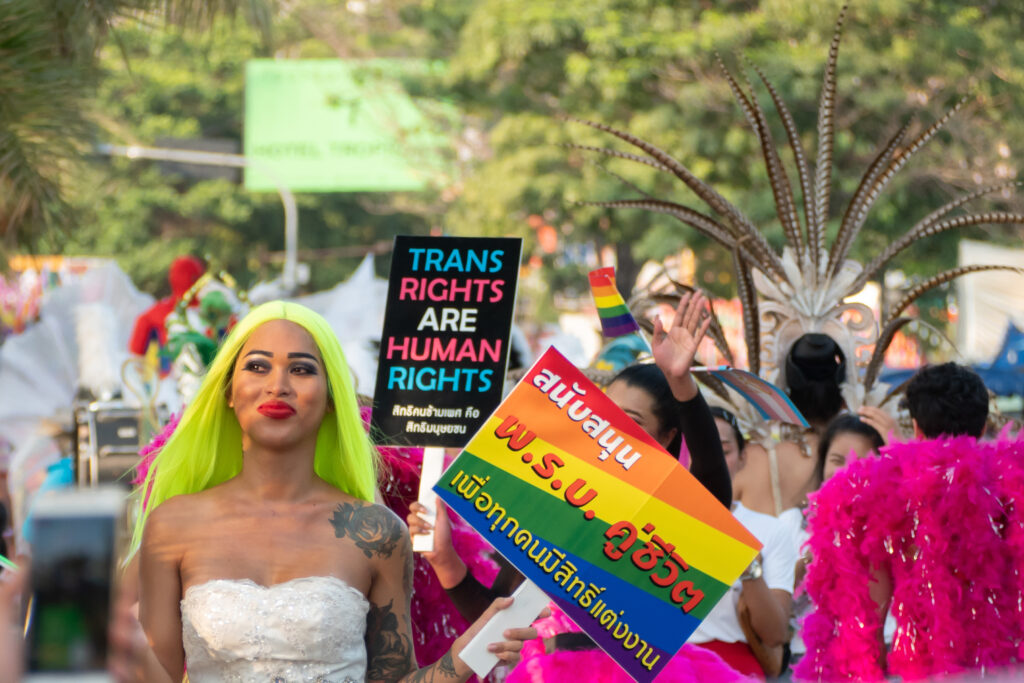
<point>590,508</point>
<point>616,320</point>
<point>770,401</point>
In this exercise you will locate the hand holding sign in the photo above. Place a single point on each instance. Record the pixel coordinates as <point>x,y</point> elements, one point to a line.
<point>443,558</point>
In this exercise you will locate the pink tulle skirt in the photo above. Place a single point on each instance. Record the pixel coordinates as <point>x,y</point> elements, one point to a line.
<point>691,664</point>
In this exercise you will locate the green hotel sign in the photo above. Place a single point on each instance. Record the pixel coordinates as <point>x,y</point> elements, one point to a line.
<point>330,125</point>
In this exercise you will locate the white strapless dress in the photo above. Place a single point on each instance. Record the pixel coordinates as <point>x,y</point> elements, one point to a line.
<point>308,629</point>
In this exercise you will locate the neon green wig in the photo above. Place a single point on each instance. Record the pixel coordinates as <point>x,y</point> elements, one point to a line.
<point>206,447</point>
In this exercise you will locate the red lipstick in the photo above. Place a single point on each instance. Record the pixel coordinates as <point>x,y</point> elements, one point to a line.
<point>275,410</point>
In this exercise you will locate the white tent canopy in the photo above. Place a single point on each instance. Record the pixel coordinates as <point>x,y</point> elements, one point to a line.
<point>988,301</point>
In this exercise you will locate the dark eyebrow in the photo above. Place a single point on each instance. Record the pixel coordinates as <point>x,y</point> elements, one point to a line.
<point>294,354</point>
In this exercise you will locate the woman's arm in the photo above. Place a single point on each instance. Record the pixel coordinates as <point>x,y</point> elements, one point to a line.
<point>160,596</point>
<point>707,460</point>
<point>674,349</point>
<point>470,597</point>
<point>443,559</point>
<point>389,649</point>
<point>769,610</point>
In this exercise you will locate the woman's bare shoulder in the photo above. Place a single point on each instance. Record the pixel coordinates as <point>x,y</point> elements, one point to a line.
<point>180,511</point>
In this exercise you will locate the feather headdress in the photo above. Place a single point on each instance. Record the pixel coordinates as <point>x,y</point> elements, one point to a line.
<point>806,287</point>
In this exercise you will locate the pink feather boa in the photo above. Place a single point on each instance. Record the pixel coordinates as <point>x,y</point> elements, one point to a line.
<point>149,452</point>
<point>942,518</point>
<point>691,664</point>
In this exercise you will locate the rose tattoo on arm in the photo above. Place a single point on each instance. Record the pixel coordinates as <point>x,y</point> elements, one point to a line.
<point>389,652</point>
<point>374,529</point>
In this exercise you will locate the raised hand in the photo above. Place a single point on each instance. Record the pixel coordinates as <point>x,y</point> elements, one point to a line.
<point>883,423</point>
<point>675,347</point>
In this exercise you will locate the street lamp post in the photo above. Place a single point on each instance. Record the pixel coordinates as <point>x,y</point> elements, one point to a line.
<point>291,214</point>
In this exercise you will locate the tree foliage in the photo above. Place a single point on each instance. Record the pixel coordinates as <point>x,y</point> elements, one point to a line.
<point>650,68</point>
<point>49,69</point>
<point>166,83</point>
<point>73,77</point>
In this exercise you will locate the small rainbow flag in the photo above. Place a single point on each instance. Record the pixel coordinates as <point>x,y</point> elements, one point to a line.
<point>616,320</point>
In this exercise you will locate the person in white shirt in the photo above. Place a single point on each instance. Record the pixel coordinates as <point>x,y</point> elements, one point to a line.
<point>765,588</point>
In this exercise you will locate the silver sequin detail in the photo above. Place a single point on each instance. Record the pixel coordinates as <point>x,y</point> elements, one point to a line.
<point>308,630</point>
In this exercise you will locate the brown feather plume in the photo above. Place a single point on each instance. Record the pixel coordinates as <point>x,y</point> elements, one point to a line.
<point>814,237</point>
<point>923,230</point>
<point>738,93</point>
<point>899,161</point>
<point>714,384</point>
<point>878,355</point>
<point>926,227</point>
<point>619,155</point>
<point>782,190</point>
<point>895,392</point>
<point>751,316</point>
<point>701,222</point>
<point>875,169</point>
<point>737,223</point>
<point>941,279</point>
<point>826,116</point>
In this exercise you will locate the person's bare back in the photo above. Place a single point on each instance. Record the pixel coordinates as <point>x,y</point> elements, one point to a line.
<point>752,485</point>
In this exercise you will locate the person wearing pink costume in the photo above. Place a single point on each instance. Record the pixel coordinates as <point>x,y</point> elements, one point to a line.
<point>435,620</point>
<point>932,527</point>
<point>846,439</point>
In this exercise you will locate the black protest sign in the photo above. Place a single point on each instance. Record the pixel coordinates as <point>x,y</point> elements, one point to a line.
<point>444,347</point>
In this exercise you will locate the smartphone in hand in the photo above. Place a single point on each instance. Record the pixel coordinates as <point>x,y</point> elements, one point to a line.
<point>77,537</point>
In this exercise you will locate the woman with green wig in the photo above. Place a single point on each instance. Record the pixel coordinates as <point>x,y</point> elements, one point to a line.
<point>263,556</point>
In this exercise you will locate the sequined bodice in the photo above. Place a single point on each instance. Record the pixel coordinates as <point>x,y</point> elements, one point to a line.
<point>308,629</point>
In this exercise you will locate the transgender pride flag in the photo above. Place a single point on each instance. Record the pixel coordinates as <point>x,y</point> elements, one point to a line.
<point>616,320</point>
